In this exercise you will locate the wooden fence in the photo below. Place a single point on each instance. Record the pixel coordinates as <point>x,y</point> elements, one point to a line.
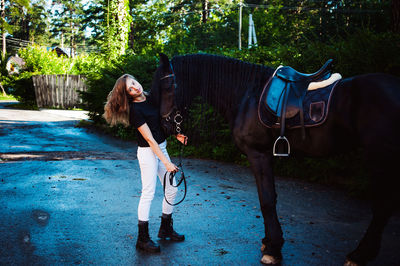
<point>58,91</point>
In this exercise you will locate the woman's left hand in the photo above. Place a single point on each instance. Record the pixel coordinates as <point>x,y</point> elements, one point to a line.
<point>182,138</point>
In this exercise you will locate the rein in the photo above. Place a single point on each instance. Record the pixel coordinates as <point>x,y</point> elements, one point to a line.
<point>171,180</point>
<point>177,119</point>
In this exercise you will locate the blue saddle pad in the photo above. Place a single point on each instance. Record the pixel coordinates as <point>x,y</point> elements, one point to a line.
<point>315,108</point>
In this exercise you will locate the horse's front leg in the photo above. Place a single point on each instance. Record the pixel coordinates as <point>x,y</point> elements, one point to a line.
<point>261,165</point>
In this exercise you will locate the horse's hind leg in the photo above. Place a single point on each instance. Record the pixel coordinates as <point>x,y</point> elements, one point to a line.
<point>262,168</point>
<point>369,246</point>
<point>383,190</point>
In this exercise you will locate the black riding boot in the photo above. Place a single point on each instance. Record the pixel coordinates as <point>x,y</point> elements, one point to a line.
<point>144,242</point>
<point>167,230</point>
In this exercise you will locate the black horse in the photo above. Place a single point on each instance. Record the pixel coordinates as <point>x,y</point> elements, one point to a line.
<point>364,112</point>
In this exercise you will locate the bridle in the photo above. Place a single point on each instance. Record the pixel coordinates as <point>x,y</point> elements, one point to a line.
<point>177,119</point>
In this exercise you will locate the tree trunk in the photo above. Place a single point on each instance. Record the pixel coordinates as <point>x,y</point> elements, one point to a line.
<point>3,17</point>
<point>71,28</point>
<point>205,11</point>
<point>396,15</point>
<point>2,89</point>
<point>131,40</point>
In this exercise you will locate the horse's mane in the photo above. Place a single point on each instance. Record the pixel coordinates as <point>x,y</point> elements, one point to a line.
<point>220,80</point>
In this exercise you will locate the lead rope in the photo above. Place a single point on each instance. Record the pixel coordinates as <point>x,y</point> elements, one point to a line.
<point>178,119</point>
<point>171,179</point>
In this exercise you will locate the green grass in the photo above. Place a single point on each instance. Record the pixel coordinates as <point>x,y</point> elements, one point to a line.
<point>7,97</point>
<point>23,106</point>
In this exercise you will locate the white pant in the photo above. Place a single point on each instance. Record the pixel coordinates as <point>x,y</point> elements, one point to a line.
<point>150,167</point>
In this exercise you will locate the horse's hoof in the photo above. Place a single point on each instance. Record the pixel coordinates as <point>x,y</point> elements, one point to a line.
<point>267,259</point>
<point>263,247</point>
<point>350,263</point>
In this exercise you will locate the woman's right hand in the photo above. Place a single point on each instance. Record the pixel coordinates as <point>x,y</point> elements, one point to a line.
<point>171,167</point>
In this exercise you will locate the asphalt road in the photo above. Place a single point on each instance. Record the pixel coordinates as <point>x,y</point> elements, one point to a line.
<point>69,196</point>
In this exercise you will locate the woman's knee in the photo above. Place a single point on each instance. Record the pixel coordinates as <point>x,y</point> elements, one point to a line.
<point>147,195</point>
<point>171,191</point>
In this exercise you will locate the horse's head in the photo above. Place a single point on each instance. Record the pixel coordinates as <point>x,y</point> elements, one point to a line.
<point>163,91</point>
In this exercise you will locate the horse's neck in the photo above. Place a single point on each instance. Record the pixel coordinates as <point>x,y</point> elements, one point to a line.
<point>224,88</point>
<point>225,102</point>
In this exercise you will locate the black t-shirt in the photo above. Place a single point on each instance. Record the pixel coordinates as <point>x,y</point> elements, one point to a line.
<point>145,112</point>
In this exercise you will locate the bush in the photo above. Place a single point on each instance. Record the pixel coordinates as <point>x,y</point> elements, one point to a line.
<point>23,89</point>
<point>40,61</point>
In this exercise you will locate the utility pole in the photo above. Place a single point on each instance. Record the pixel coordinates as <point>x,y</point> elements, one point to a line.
<point>62,39</point>
<point>250,31</point>
<point>240,25</point>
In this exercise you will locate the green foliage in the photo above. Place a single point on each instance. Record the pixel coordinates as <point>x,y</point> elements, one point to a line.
<point>67,22</point>
<point>94,19</point>
<point>358,53</point>
<point>116,28</point>
<point>39,61</point>
<point>23,89</point>
<point>5,79</point>
<point>12,10</point>
<point>209,135</point>
<point>29,22</point>
<point>8,97</point>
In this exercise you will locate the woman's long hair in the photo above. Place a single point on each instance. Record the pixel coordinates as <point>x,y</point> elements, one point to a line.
<point>116,110</point>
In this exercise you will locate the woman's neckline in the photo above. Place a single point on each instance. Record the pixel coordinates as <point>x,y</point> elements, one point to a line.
<point>142,101</point>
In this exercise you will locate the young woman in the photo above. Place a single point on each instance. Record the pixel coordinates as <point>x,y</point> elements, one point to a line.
<point>128,104</point>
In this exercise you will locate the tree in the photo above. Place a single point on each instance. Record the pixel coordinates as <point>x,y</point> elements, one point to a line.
<point>9,10</point>
<point>396,16</point>
<point>206,11</point>
<point>32,25</point>
<point>182,25</point>
<point>95,20</point>
<point>68,23</point>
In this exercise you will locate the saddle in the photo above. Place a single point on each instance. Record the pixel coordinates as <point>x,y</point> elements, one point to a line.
<point>288,87</point>
<point>284,95</point>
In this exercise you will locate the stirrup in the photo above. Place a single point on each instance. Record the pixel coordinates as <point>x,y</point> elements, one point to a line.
<point>284,139</point>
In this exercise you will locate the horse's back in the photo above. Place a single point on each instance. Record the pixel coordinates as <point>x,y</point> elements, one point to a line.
<point>384,87</point>
<point>374,111</point>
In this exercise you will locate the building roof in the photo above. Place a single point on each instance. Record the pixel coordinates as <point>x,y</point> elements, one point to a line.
<point>59,51</point>
<point>15,64</point>
<point>16,60</point>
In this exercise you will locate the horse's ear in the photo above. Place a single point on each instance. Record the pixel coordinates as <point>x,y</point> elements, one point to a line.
<point>164,60</point>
